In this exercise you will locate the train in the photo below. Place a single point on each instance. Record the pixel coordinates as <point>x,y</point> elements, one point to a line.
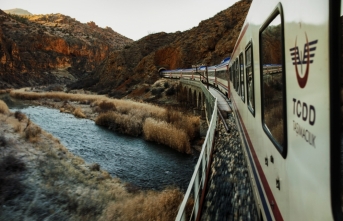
<point>284,81</point>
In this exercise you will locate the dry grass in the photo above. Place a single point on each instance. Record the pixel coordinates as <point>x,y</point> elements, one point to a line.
<point>79,113</point>
<point>32,132</point>
<point>4,108</point>
<point>167,134</point>
<point>127,106</point>
<point>123,123</point>
<point>25,95</point>
<point>190,124</point>
<point>146,206</point>
<point>107,106</point>
<point>5,91</point>
<point>19,115</point>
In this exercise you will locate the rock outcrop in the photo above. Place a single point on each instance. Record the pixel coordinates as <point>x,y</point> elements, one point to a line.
<point>209,43</point>
<point>54,48</point>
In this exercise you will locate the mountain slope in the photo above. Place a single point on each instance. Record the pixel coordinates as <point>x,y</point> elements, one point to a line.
<point>54,48</point>
<point>210,42</point>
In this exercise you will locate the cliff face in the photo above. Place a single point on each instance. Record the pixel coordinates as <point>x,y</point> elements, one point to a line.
<point>209,43</point>
<point>42,49</point>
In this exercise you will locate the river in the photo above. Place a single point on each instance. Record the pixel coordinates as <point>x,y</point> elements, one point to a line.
<point>144,164</point>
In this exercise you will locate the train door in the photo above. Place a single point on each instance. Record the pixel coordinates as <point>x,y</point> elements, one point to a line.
<point>336,106</point>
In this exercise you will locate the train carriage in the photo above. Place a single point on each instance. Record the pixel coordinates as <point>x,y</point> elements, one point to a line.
<point>284,81</point>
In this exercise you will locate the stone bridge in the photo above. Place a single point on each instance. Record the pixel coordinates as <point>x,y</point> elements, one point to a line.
<point>198,97</point>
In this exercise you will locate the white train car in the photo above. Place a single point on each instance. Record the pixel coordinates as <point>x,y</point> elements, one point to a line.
<point>287,111</point>
<point>284,80</point>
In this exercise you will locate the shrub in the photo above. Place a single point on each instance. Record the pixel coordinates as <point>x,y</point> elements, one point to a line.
<point>147,206</point>
<point>12,164</point>
<point>190,124</point>
<point>107,106</point>
<point>170,91</point>
<point>94,167</point>
<point>32,131</point>
<point>105,119</point>
<point>19,115</point>
<point>3,91</point>
<point>167,134</point>
<point>157,91</point>
<point>79,113</point>
<point>3,141</point>
<point>11,185</point>
<point>4,108</point>
<point>123,123</point>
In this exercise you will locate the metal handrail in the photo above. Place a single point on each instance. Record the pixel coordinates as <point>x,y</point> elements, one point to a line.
<point>196,184</point>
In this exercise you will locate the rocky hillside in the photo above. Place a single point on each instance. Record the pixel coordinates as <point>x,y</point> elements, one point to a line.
<point>54,48</point>
<point>123,71</point>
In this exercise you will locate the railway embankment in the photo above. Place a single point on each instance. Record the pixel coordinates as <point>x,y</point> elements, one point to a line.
<point>229,193</point>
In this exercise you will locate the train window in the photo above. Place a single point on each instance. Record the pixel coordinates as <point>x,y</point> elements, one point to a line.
<point>273,95</point>
<point>234,75</point>
<point>241,76</point>
<point>230,73</point>
<point>237,75</point>
<point>249,72</point>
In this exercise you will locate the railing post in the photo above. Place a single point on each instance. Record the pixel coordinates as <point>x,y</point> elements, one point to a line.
<point>196,195</point>
<point>204,164</point>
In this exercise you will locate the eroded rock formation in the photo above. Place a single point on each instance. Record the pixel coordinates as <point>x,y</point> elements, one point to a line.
<point>54,48</point>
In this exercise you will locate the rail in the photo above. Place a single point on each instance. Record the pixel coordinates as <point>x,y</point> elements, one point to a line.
<point>197,182</point>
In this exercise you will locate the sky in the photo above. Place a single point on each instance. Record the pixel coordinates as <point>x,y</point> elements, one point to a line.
<point>131,18</point>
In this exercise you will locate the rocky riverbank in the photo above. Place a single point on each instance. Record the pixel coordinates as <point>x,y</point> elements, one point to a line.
<point>229,193</point>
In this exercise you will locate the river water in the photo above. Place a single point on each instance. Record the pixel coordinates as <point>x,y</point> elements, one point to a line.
<point>142,163</point>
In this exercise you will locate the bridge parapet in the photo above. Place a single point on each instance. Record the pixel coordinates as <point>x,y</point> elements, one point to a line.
<point>198,180</point>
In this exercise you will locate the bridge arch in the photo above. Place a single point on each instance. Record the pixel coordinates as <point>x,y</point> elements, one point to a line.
<point>200,101</point>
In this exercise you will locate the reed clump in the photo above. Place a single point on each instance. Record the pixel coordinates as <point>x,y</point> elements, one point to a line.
<point>4,108</point>
<point>167,134</point>
<point>107,106</point>
<point>123,123</point>
<point>26,95</point>
<point>190,124</point>
<point>19,116</point>
<point>146,206</point>
<point>79,113</point>
<point>5,91</point>
<point>32,132</point>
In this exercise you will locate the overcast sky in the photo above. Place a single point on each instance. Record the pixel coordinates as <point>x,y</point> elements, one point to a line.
<point>131,18</point>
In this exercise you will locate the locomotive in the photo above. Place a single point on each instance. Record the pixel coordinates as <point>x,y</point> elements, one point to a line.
<point>284,81</point>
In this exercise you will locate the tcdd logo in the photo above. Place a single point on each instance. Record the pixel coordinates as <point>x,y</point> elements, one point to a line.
<point>307,58</point>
